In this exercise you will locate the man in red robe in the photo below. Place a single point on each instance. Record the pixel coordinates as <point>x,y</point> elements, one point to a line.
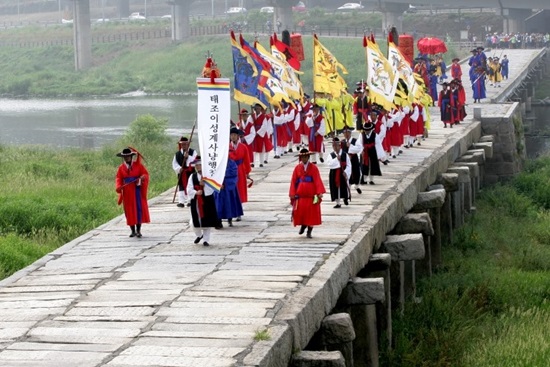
<point>306,193</point>
<point>238,152</point>
<point>132,180</point>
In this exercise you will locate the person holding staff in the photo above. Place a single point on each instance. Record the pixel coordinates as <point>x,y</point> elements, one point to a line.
<point>181,164</point>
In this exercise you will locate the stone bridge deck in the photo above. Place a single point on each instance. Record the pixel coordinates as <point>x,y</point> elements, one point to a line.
<point>105,299</point>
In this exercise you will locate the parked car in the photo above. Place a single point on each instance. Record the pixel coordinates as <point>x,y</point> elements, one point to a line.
<point>267,9</point>
<point>300,7</point>
<point>166,17</point>
<point>236,10</point>
<point>137,16</point>
<point>411,9</point>
<point>351,6</point>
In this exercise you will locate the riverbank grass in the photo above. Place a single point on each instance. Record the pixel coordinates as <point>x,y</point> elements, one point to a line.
<point>489,304</point>
<point>50,196</point>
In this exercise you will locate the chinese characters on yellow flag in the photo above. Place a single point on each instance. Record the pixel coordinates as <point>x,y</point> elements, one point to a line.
<point>213,123</point>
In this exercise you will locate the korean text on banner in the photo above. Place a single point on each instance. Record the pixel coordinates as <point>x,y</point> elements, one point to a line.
<point>213,123</point>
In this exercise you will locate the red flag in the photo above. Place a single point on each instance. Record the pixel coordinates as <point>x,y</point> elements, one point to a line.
<point>291,57</point>
<point>365,41</point>
<point>372,38</point>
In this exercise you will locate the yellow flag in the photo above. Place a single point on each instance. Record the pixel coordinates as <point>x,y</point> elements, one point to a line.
<point>326,77</point>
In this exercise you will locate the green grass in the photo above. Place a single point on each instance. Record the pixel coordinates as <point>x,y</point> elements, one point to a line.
<point>262,335</point>
<point>489,305</point>
<point>161,68</point>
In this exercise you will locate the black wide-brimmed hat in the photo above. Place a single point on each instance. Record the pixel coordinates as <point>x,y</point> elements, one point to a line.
<point>234,130</point>
<point>455,59</point>
<point>348,128</point>
<point>126,152</point>
<point>367,126</point>
<point>304,152</point>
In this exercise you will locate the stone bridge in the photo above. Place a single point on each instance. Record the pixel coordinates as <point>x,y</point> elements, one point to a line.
<point>261,294</point>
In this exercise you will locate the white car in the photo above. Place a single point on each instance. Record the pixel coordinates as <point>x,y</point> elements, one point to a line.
<point>351,6</point>
<point>137,16</point>
<point>236,10</point>
<point>267,9</point>
<point>411,10</point>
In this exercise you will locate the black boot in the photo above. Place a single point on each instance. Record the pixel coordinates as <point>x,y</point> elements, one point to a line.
<point>138,230</point>
<point>309,229</point>
<point>302,230</point>
<point>133,228</point>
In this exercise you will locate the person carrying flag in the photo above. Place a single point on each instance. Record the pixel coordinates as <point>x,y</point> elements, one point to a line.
<point>181,164</point>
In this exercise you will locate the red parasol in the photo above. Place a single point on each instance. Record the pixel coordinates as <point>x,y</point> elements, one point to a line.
<point>431,46</point>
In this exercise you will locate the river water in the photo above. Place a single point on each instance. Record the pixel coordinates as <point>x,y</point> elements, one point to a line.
<point>92,123</point>
<point>88,123</point>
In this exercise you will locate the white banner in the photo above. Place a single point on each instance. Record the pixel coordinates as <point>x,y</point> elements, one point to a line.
<point>213,123</point>
<point>382,80</point>
<point>401,66</point>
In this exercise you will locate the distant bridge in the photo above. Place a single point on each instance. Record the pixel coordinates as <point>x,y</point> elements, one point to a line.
<point>514,12</point>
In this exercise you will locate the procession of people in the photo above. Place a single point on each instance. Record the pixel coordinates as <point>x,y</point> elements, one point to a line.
<point>362,137</point>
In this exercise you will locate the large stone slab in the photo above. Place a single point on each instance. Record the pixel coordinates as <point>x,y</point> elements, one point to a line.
<point>404,247</point>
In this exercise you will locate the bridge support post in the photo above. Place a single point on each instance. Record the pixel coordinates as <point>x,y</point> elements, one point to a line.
<point>379,266</point>
<point>432,201</point>
<point>418,223</point>
<point>450,183</point>
<point>361,296</point>
<point>337,334</point>
<point>82,34</point>
<point>474,176</point>
<point>402,248</point>
<point>477,156</point>
<point>308,358</point>
<point>463,202</point>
